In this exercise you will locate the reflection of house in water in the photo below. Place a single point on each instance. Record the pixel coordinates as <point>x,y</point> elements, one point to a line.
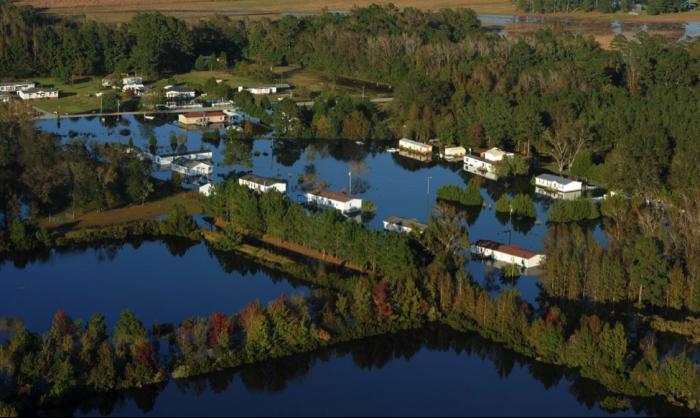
<point>426,158</point>
<point>506,253</point>
<point>558,195</point>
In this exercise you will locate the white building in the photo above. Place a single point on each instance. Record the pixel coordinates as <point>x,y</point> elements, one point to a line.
<point>136,88</point>
<point>486,164</point>
<point>132,80</point>
<point>496,154</point>
<point>558,183</point>
<point>266,89</point>
<point>510,254</point>
<point>415,146</point>
<point>169,157</point>
<point>262,184</point>
<point>206,189</point>
<point>334,200</point>
<point>38,93</point>
<point>190,168</point>
<point>478,164</point>
<point>454,153</point>
<point>16,86</point>
<point>179,93</point>
<point>404,225</point>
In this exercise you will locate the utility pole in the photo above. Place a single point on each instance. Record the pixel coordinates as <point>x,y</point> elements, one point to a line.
<point>349,182</point>
<point>428,190</point>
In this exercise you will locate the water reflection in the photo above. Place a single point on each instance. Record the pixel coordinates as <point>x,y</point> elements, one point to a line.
<point>433,370</point>
<point>161,281</point>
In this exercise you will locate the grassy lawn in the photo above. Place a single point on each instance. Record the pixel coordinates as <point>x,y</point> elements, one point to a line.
<point>199,78</point>
<point>76,97</point>
<point>192,201</point>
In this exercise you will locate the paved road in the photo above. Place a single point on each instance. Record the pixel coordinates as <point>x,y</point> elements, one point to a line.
<point>42,114</point>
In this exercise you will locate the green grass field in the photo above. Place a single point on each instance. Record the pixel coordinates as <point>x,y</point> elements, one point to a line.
<point>76,97</point>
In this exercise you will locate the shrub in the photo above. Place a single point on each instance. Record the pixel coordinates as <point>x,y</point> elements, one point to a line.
<point>471,196</point>
<point>523,206</point>
<point>574,210</point>
<point>503,204</point>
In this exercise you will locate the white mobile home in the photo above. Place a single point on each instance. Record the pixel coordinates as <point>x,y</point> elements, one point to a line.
<point>132,80</point>
<point>478,164</point>
<point>404,225</point>
<point>169,157</point>
<point>206,189</point>
<point>265,89</point>
<point>191,168</point>
<point>179,93</point>
<point>38,93</point>
<point>496,154</point>
<point>262,184</point>
<point>16,86</point>
<point>334,200</point>
<point>454,153</point>
<point>510,254</point>
<point>558,183</point>
<point>415,146</point>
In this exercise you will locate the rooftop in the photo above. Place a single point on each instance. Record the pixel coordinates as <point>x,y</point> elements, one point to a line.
<point>556,179</point>
<point>186,162</point>
<point>409,222</point>
<point>410,141</point>
<point>183,153</point>
<point>40,89</point>
<point>15,83</point>
<point>177,89</point>
<point>204,114</point>
<point>337,196</point>
<point>513,250</point>
<point>264,181</point>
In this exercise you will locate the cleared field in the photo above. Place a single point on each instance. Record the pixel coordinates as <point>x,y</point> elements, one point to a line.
<point>76,97</point>
<point>120,10</point>
<point>150,210</point>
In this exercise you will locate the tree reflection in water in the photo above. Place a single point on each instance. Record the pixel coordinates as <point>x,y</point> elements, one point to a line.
<point>274,377</point>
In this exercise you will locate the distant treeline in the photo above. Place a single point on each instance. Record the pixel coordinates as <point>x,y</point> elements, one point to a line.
<point>652,7</point>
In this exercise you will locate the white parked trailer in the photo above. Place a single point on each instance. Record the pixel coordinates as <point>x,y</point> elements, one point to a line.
<point>169,157</point>
<point>262,184</point>
<point>191,168</point>
<point>558,183</point>
<point>334,200</point>
<point>510,254</point>
<point>415,146</point>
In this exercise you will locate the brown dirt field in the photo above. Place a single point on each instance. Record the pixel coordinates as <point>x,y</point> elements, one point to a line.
<point>121,10</point>
<point>301,250</point>
<point>150,210</point>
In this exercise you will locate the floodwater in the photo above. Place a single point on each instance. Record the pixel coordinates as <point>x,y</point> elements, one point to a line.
<point>434,371</point>
<point>398,185</point>
<point>430,372</point>
<point>160,282</point>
